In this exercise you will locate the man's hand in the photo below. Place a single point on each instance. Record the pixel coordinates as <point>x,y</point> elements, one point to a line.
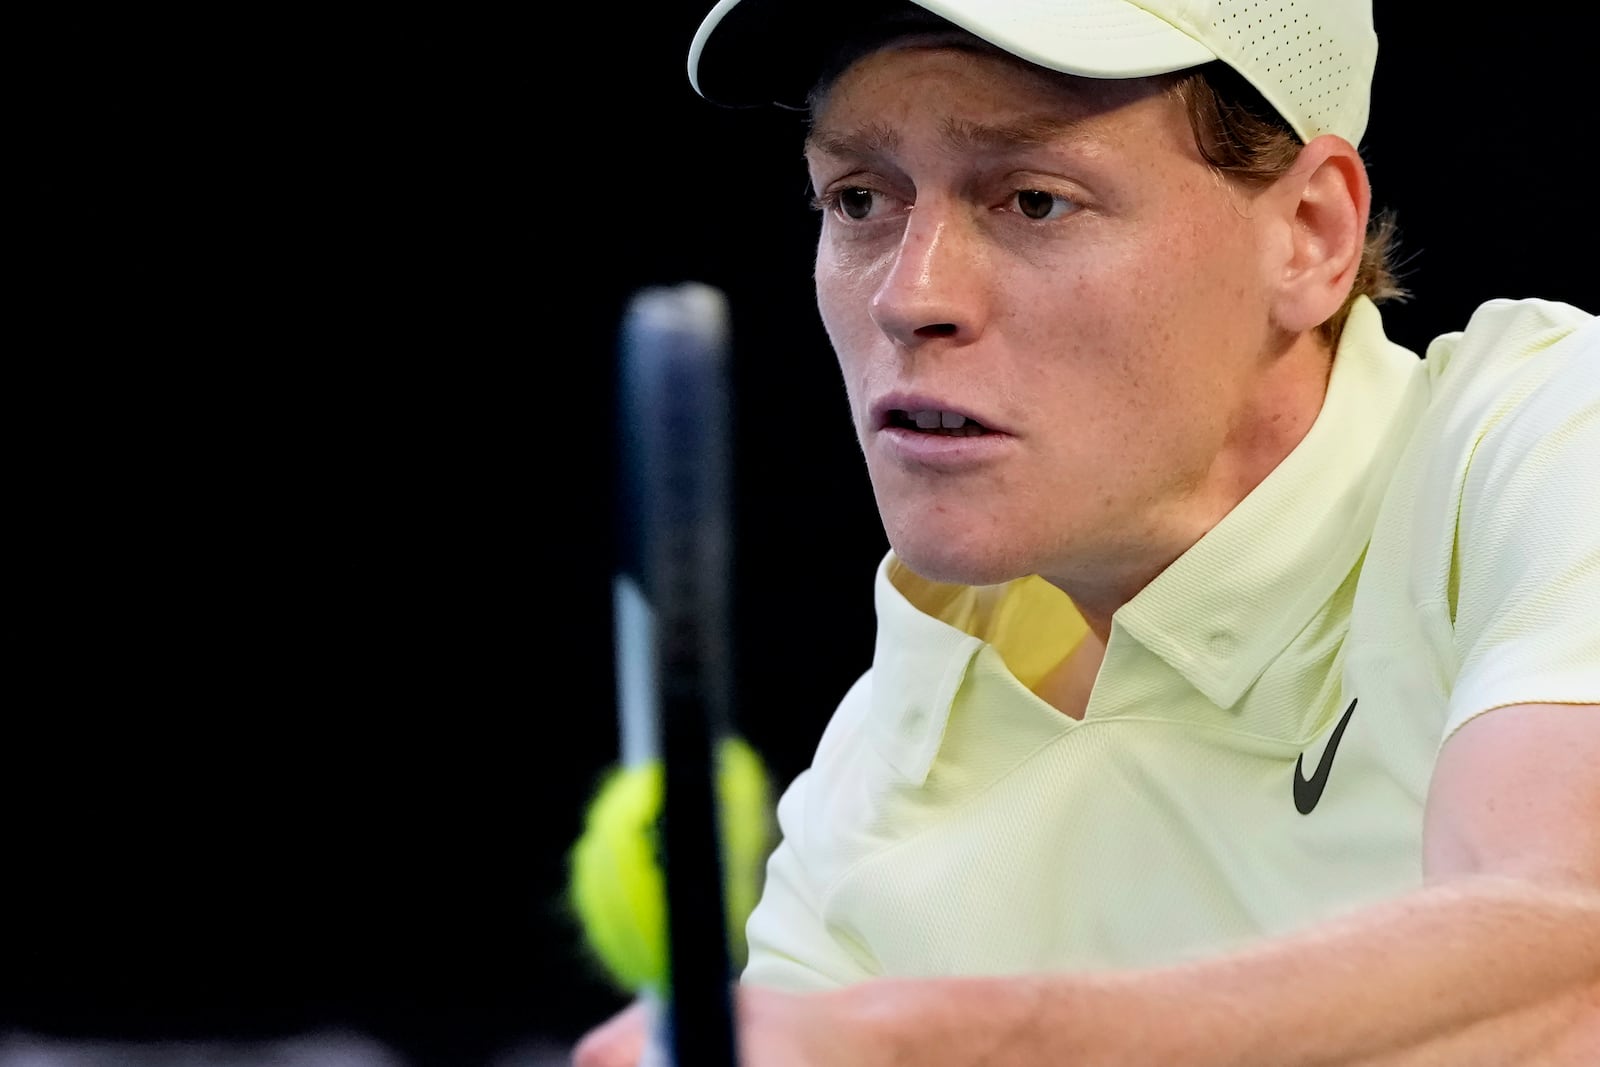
<point>618,1042</point>
<point>853,1027</point>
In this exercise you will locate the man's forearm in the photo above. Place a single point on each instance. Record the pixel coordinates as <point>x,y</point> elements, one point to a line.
<point>1489,972</point>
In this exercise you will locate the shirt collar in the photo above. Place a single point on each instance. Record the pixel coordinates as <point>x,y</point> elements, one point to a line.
<point>1222,611</point>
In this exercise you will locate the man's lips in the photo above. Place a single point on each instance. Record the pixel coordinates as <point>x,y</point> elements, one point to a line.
<point>925,415</point>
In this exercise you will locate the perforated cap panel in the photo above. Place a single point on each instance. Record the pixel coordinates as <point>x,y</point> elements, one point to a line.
<point>1312,59</point>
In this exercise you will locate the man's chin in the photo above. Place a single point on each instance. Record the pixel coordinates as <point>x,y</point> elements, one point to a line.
<point>954,564</point>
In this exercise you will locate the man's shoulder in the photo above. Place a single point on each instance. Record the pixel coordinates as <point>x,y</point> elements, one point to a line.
<point>1516,372</point>
<point>1502,393</point>
<point>1504,332</point>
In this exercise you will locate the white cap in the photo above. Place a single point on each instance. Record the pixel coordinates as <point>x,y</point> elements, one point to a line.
<point>1310,59</point>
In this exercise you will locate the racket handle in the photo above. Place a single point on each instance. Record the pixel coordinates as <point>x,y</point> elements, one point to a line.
<point>676,450</point>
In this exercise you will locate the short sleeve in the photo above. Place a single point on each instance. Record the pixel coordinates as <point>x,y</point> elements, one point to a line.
<point>1527,561</point>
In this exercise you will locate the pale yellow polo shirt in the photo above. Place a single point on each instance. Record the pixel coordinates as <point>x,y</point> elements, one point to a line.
<point>1431,550</point>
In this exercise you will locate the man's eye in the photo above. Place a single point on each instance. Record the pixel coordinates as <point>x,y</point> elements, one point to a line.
<point>1038,204</point>
<point>855,203</point>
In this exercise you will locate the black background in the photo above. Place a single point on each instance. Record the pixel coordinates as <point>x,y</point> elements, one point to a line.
<point>312,444</point>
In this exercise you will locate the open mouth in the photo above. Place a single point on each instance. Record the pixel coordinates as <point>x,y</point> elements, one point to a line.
<point>946,423</point>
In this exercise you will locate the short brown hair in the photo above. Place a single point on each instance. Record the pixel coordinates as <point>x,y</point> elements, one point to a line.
<point>1243,137</point>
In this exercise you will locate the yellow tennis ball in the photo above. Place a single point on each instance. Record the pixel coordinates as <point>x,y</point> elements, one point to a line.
<point>616,887</point>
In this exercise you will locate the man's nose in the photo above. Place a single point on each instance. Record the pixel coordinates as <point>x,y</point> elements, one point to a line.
<point>930,289</point>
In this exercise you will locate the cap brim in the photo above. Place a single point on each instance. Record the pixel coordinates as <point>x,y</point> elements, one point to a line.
<point>757,52</point>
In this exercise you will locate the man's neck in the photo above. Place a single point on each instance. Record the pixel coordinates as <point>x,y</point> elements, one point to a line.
<point>1269,425</point>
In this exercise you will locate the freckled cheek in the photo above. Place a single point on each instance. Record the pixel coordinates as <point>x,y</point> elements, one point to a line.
<point>844,294</point>
<point>1126,379</point>
<point>1181,302</point>
<point>845,287</point>
<point>1120,316</point>
<point>1202,270</point>
<point>850,273</point>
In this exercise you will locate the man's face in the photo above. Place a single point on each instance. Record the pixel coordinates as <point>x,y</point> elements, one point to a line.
<point>1050,259</point>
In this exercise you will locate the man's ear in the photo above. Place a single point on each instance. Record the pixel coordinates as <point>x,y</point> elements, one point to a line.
<point>1324,201</point>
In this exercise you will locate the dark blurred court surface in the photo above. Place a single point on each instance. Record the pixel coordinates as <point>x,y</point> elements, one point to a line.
<point>312,1050</point>
<point>333,1049</point>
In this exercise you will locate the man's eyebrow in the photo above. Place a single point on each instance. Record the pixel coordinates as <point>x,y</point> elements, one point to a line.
<point>1028,131</point>
<point>958,135</point>
<point>872,139</point>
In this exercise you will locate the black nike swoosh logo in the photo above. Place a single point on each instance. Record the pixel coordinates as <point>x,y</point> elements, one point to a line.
<point>1307,793</point>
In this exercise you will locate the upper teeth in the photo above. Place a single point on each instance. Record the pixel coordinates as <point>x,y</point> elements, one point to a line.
<point>931,420</point>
